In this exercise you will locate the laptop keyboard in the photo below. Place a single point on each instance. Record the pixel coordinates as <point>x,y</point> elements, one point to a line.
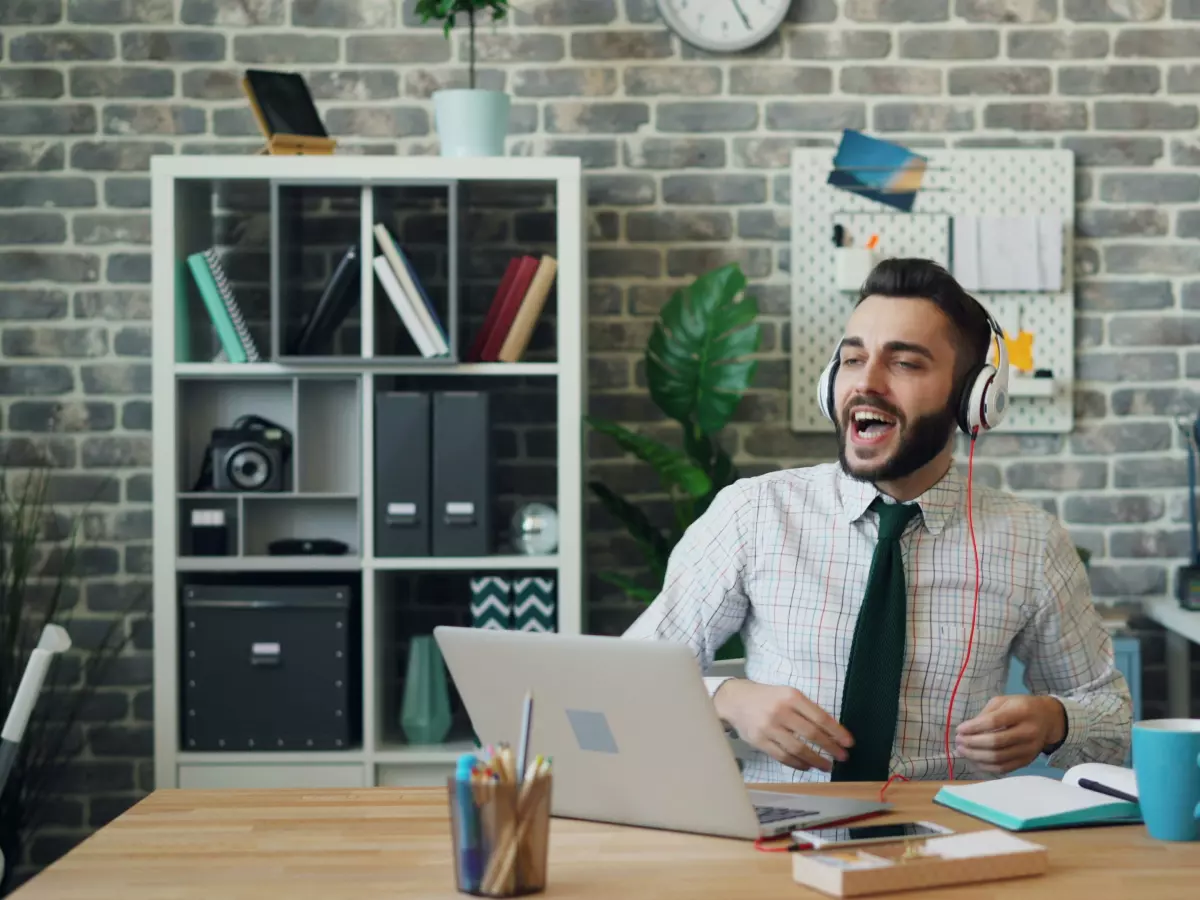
<point>777,813</point>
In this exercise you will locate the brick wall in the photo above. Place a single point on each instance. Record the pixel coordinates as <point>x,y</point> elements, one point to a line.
<point>687,155</point>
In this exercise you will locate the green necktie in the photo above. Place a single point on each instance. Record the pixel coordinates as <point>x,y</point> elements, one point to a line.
<point>871,696</point>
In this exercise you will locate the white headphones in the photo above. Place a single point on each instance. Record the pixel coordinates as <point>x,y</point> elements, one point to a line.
<point>983,401</point>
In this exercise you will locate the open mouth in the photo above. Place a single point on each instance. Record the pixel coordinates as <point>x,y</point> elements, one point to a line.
<point>870,426</point>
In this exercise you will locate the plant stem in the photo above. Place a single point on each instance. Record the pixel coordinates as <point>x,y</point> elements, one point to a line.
<point>471,55</point>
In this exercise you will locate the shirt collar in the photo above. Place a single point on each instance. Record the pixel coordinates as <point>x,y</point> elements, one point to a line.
<point>938,504</point>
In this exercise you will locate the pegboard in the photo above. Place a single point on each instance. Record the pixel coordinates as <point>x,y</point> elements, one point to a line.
<point>956,182</point>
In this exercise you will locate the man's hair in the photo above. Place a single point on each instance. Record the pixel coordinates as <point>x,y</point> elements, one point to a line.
<point>926,280</point>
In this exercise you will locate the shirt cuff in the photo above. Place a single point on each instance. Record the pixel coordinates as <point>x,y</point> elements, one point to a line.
<point>712,682</point>
<point>1078,723</point>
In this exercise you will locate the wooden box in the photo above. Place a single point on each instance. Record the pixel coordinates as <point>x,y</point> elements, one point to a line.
<point>930,862</point>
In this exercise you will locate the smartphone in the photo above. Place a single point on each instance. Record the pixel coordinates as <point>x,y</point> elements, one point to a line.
<point>868,834</point>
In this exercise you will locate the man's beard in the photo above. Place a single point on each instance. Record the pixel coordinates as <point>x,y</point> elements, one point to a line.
<point>920,442</point>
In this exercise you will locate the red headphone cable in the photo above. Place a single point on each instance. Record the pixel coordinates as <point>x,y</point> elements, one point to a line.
<point>974,606</point>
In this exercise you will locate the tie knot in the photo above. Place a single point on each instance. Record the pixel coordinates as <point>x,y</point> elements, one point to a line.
<point>892,517</point>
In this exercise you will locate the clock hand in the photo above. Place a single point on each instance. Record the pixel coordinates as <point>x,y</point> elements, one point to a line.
<point>741,12</point>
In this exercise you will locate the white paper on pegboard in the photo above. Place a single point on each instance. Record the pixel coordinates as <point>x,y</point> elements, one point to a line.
<point>957,182</point>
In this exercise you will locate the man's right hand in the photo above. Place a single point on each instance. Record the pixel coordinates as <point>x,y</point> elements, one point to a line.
<point>778,720</point>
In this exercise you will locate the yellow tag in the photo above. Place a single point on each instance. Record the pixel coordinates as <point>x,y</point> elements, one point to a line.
<point>1019,349</point>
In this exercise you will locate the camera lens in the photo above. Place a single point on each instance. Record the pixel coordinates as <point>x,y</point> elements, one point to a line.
<point>249,468</point>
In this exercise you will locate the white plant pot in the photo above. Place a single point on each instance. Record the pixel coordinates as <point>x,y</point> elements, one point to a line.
<point>471,121</point>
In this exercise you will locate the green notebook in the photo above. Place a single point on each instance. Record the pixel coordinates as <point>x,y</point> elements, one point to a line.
<point>1029,802</point>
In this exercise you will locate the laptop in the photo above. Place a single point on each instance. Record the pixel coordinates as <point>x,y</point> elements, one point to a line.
<point>631,730</point>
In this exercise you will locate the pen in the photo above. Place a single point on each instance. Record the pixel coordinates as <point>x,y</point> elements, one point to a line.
<point>1105,789</point>
<point>470,859</point>
<point>523,746</point>
<point>872,242</point>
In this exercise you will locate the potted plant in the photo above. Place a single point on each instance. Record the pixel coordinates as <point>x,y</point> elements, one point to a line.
<point>698,366</point>
<point>470,121</point>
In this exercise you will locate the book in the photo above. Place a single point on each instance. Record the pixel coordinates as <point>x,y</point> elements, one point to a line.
<point>237,345</point>
<point>229,301</point>
<point>413,291</point>
<point>508,307</point>
<point>475,352</point>
<point>1089,794</point>
<point>408,314</point>
<point>531,307</point>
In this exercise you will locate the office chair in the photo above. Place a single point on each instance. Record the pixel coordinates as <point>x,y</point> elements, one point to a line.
<point>54,639</point>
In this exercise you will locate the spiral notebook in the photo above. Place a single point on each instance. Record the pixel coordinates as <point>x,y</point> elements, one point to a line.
<point>237,344</point>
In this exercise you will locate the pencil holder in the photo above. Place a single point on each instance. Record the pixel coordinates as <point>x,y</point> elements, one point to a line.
<point>501,835</point>
<point>852,266</point>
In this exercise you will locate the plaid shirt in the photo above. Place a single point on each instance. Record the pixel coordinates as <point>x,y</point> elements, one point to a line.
<point>784,558</point>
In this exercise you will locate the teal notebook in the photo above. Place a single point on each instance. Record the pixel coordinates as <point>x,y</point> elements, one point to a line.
<point>1029,802</point>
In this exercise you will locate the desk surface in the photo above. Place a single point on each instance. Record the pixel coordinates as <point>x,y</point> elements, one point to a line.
<point>1171,615</point>
<point>393,843</point>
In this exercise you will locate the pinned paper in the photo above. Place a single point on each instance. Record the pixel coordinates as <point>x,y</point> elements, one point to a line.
<point>878,169</point>
<point>1008,253</point>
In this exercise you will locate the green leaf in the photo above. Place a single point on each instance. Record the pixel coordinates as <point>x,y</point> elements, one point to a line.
<point>673,467</point>
<point>629,586</point>
<point>697,358</point>
<point>650,540</point>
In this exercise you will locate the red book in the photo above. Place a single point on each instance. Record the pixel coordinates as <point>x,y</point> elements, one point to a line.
<point>475,354</point>
<point>508,306</point>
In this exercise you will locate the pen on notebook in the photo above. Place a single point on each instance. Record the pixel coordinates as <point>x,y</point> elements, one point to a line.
<point>523,745</point>
<point>1105,789</point>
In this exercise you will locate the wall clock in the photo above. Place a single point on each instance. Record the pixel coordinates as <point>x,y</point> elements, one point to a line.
<point>723,25</point>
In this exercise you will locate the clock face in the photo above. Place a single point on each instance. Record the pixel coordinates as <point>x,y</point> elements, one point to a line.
<point>724,25</point>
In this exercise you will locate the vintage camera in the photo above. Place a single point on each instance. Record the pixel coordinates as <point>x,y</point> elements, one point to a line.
<point>252,455</point>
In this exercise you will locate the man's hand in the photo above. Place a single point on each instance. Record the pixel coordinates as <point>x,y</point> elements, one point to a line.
<point>778,720</point>
<point>1011,731</point>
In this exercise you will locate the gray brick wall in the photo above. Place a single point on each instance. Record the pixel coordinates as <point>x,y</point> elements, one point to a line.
<point>687,156</point>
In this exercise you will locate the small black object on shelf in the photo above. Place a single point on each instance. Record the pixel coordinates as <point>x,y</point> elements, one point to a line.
<point>307,547</point>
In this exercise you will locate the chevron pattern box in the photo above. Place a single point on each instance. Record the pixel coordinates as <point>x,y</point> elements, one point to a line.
<point>533,604</point>
<point>491,602</point>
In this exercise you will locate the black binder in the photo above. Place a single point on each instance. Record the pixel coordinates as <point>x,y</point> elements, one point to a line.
<point>462,481</point>
<point>402,483</point>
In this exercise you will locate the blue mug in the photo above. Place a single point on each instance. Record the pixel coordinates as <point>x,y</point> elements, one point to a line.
<point>1166,764</point>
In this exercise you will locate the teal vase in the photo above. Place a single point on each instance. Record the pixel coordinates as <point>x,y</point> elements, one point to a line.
<point>425,709</point>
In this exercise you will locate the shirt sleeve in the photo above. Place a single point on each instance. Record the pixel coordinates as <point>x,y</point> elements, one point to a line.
<point>703,599</point>
<point>1068,654</point>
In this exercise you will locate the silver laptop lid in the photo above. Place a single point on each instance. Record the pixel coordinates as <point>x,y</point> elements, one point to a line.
<point>632,731</point>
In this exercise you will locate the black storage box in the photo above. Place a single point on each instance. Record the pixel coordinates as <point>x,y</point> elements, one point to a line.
<point>270,667</point>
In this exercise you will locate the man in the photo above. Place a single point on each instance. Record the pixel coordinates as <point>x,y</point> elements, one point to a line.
<point>790,559</point>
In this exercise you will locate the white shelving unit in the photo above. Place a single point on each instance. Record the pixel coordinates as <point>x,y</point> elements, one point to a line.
<point>327,403</point>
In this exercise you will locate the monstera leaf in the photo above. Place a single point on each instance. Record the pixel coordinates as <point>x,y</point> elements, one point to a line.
<point>673,468</point>
<point>698,361</point>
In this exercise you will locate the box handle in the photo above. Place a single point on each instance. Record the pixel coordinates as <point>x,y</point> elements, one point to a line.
<point>460,513</point>
<point>401,514</point>
<point>264,653</point>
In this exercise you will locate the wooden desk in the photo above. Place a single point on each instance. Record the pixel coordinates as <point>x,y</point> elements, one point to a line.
<point>393,843</point>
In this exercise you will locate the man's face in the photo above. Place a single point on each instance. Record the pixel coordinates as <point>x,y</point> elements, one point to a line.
<point>893,386</point>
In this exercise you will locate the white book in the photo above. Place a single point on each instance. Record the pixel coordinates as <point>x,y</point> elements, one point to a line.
<point>403,306</point>
<point>400,270</point>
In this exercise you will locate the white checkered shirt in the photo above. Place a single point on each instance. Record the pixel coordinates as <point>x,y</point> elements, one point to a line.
<point>784,558</point>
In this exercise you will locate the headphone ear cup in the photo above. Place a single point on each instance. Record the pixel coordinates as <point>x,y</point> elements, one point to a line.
<point>825,388</point>
<point>977,396</point>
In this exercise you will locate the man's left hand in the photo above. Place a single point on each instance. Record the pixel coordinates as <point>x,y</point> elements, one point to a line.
<point>1011,731</point>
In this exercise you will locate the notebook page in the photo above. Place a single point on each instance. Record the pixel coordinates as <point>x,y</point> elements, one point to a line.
<point>1118,777</point>
<point>1031,796</point>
